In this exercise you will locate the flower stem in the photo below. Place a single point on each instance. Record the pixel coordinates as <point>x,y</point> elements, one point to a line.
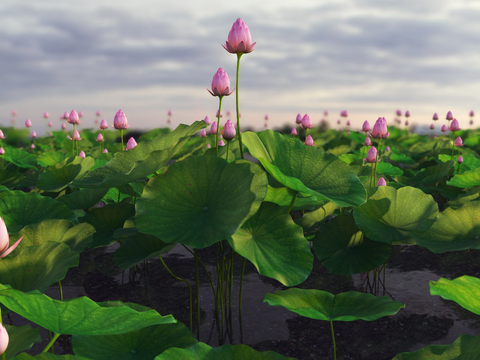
<point>121,136</point>
<point>49,345</point>
<point>333,340</point>
<point>239,55</point>
<point>220,98</point>
<point>292,202</point>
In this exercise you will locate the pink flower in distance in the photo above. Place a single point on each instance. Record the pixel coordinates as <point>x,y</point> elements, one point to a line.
<point>203,133</point>
<point>221,143</point>
<point>306,122</point>
<point>207,120</point>
<point>50,124</point>
<point>449,116</point>
<point>209,146</point>
<point>366,126</point>
<point>2,151</point>
<point>406,122</point>
<point>435,117</point>
<point>14,112</point>
<point>325,113</point>
<point>45,115</point>
<point>3,339</point>
<point>103,124</point>
<point>99,137</point>
<point>458,141</point>
<point>472,114</point>
<point>407,114</point>
<point>82,154</point>
<point>339,122</point>
<point>380,129</point>
<point>266,116</point>
<point>387,148</point>
<point>444,128</point>
<point>455,126</point>
<point>381,182</point>
<point>76,135</point>
<point>64,126</point>
<point>32,146</point>
<point>33,134</point>
<point>105,151</point>
<point>432,127</point>
<point>228,131</point>
<point>99,113</point>
<point>471,121</point>
<point>28,123</point>
<point>343,113</point>
<point>239,39</point>
<point>65,116</point>
<point>371,155</point>
<point>120,121</point>
<point>131,143</point>
<point>298,119</point>
<point>73,118</point>
<point>368,142</point>
<point>213,128</point>
<point>460,159</point>
<point>220,84</point>
<point>309,141</point>
<point>399,112</point>
<point>5,240</point>
<point>216,114</point>
<point>1,135</point>
<point>294,132</point>
<point>80,114</point>
<point>349,123</point>
<point>169,113</point>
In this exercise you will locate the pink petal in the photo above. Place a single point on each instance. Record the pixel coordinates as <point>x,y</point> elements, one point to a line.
<point>9,250</point>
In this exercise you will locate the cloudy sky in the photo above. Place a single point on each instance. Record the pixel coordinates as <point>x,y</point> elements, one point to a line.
<point>146,57</point>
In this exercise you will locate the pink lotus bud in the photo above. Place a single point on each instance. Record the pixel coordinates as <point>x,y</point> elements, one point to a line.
<point>103,124</point>
<point>458,141</point>
<point>45,115</point>
<point>80,114</point>
<point>28,123</point>
<point>221,143</point>
<point>203,133</point>
<point>213,128</point>
<point>33,134</point>
<point>169,121</point>
<point>471,121</point>
<point>460,159</point>
<point>343,113</point>
<point>32,146</point>
<point>2,151</point>
<point>339,122</point>
<point>216,115</point>
<point>239,39</point>
<point>406,122</point>
<point>349,123</point>
<point>309,141</point>
<point>14,112</point>
<point>64,126</point>
<point>228,131</point>
<point>131,143</point>
<point>76,135</point>
<point>50,124</point>
<point>449,116</point>
<point>407,114</point>
<point>381,182</point>
<point>294,132</point>
<point>82,154</point>
<point>209,146</point>
<point>120,121</point>
<point>435,117</point>
<point>368,142</point>
<point>266,116</point>
<point>73,118</point>
<point>99,137</point>
<point>220,84</point>
<point>99,113</point>
<point>325,113</point>
<point>399,112</point>
<point>366,126</point>
<point>3,339</point>
<point>306,122</point>
<point>298,120</point>
<point>169,113</point>
<point>1,135</point>
<point>105,151</point>
<point>380,129</point>
<point>444,128</point>
<point>371,155</point>
<point>455,126</point>
<point>387,148</point>
<point>432,127</point>
<point>206,120</point>
<point>472,114</point>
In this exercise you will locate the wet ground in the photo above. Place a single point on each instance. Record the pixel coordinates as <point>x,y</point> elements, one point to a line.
<point>425,320</point>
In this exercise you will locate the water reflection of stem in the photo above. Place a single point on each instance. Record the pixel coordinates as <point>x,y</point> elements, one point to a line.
<point>189,288</point>
<point>333,340</point>
<point>52,340</point>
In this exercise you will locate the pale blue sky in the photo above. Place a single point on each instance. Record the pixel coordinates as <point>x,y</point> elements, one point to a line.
<point>146,57</point>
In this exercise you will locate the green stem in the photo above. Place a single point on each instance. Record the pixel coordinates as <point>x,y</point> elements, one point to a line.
<point>204,267</point>
<point>292,202</point>
<point>228,144</point>
<point>189,288</point>
<point>220,98</point>
<point>49,345</point>
<point>121,136</point>
<point>61,290</point>
<point>239,55</point>
<point>241,289</point>
<point>333,340</point>
<point>73,140</point>
<point>197,283</point>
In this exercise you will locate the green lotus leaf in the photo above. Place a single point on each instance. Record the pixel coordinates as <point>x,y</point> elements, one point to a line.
<point>59,176</point>
<point>306,169</point>
<point>392,215</point>
<point>145,159</point>
<point>20,157</point>
<point>347,306</point>
<point>20,339</point>
<point>430,148</point>
<point>275,245</point>
<point>343,249</point>
<point>385,168</point>
<point>283,196</point>
<point>201,351</point>
<point>47,356</point>
<point>51,158</point>
<point>198,207</point>
<point>446,234</point>
<point>402,158</point>
<point>83,198</point>
<point>143,344</point>
<point>464,290</point>
<point>466,180</point>
<point>80,316</point>
<point>314,218</point>
<point>432,174</point>
<point>19,209</point>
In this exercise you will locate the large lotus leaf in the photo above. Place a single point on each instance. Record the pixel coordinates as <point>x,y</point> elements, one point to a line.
<point>20,157</point>
<point>402,158</point>
<point>429,148</point>
<point>83,198</point>
<point>145,159</point>
<point>432,174</point>
<point>392,215</point>
<point>80,316</point>
<point>19,209</point>
<point>314,218</point>
<point>201,200</point>
<point>385,168</point>
<point>464,290</point>
<point>466,180</point>
<point>275,245</point>
<point>454,229</point>
<point>57,230</point>
<point>343,249</point>
<point>143,344</point>
<point>347,306</point>
<point>37,267</point>
<point>283,196</point>
<point>20,339</point>
<point>139,247</point>
<point>306,169</point>
<point>62,174</point>
<point>47,356</point>
<point>201,351</point>
<point>466,347</point>
<point>51,158</point>
<point>106,220</point>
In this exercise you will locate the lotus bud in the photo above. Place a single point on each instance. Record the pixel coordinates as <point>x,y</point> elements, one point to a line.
<point>2,151</point>
<point>432,127</point>
<point>28,123</point>
<point>45,115</point>
<point>380,129</point>
<point>239,39</point>
<point>76,135</point>
<point>387,148</point>
<point>449,116</point>
<point>228,131</point>
<point>460,159</point>
<point>366,126</point>
<point>99,137</point>
<point>73,118</point>
<point>1,135</point>
<point>381,182</point>
<point>50,124</point>
<point>349,123</point>
<point>339,122</point>
<point>169,113</point>
<point>120,121</point>
<point>407,114</point>
<point>309,141</point>
<point>33,134</point>
<point>406,122</point>
<point>64,126</point>
<point>266,117</point>
<point>80,114</point>
<point>209,146</point>
<point>298,120</point>
<point>221,143</point>
<point>371,155</point>
<point>368,142</point>
<point>3,339</point>
<point>65,116</point>
<point>294,132</point>
<point>455,126</point>
<point>265,125</point>
<point>472,114</point>
<point>203,133</point>
<point>103,124</point>
<point>105,151</point>
<point>206,120</point>
<point>306,122</point>
<point>220,84</point>
<point>435,117</point>
<point>399,112</point>
<point>82,154</point>
<point>131,143</point>
<point>14,113</point>
<point>343,113</point>
<point>216,114</point>
<point>471,121</point>
<point>213,128</point>
<point>458,141</point>
<point>444,128</point>
<point>99,113</point>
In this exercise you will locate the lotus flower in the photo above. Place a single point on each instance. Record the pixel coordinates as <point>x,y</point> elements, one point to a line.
<point>50,124</point>
<point>45,115</point>
<point>458,141</point>
<point>294,132</point>
<point>298,119</point>
<point>381,182</point>
<point>380,129</point>
<point>368,142</point>
<point>4,243</point>
<point>239,39</point>
<point>432,127</point>
<point>309,141</point>
<point>203,133</point>
<point>472,114</point>
<point>28,123</point>
<point>306,122</point>
<point>444,128</point>
<point>366,126</point>
<point>435,117</point>
<point>120,121</point>
<point>220,84</point>
<point>3,339</point>
<point>460,159</point>
<point>131,143</point>
<point>343,113</point>
<point>82,154</point>
<point>206,120</point>
<point>64,126</point>
<point>213,128</point>
<point>99,137</point>
<point>73,118</point>
<point>2,151</point>
<point>228,131</point>
<point>407,114</point>
<point>449,116</point>
<point>99,113</point>
<point>399,112</point>
<point>455,126</point>
<point>372,155</point>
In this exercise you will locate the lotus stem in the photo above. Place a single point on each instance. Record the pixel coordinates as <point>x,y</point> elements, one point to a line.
<point>292,202</point>
<point>121,137</point>
<point>197,283</point>
<point>49,345</point>
<point>333,340</point>
<point>239,55</point>
<point>220,98</point>
<point>61,290</point>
